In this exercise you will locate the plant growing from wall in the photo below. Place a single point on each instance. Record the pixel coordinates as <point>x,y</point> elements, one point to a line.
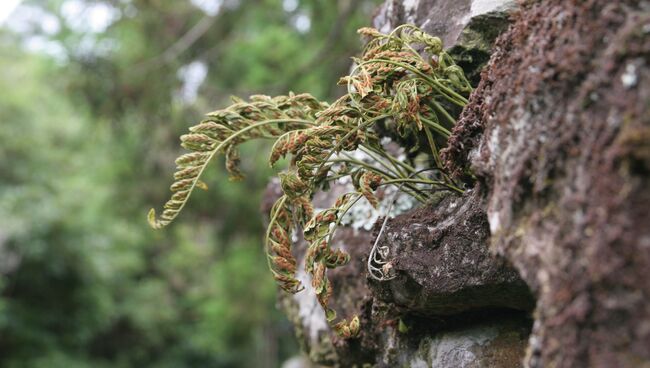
<point>391,83</point>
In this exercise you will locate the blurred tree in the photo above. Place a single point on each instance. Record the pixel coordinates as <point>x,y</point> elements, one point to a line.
<point>90,116</point>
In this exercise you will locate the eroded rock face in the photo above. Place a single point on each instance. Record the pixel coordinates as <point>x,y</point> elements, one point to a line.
<point>448,19</point>
<point>453,304</point>
<point>558,131</point>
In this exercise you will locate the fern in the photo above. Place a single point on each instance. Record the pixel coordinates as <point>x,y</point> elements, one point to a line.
<point>391,83</point>
<point>222,131</point>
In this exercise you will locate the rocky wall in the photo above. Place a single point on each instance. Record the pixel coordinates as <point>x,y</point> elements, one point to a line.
<point>558,132</point>
<point>543,261</point>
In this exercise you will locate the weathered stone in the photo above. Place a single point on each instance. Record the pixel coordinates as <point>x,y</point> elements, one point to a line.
<point>558,135</point>
<point>499,342</point>
<point>468,28</point>
<point>483,337</point>
<point>447,19</point>
<point>442,263</point>
<point>298,362</point>
<point>558,131</point>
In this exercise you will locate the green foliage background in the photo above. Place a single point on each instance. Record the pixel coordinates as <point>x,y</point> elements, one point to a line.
<point>89,122</point>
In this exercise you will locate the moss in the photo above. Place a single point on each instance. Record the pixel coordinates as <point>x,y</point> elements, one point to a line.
<point>567,180</point>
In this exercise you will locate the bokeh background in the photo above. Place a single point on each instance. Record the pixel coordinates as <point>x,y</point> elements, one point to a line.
<point>93,97</point>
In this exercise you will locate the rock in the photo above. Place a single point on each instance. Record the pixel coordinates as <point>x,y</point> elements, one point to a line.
<point>557,134</point>
<point>468,28</point>
<point>454,316</point>
<point>447,19</point>
<point>442,263</point>
<point>499,342</point>
<point>558,130</point>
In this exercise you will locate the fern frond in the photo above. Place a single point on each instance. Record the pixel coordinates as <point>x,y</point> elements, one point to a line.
<point>222,131</point>
<point>391,83</point>
<point>368,182</point>
<point>347,329</point>
<point>281,261</point>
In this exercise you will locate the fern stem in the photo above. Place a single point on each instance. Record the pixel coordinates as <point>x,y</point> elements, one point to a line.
<point>275,210</point>
<point>339,145</point>
<point>223,144</point>
<point>383,175</point>
<point>450,94</point>
<point>340,218</point>
<point>437,127</point>
<point>419,181</point>
<point>404,165</point>
<point>444,112</point>
<point>380,161</point>
<point>379,157</point>
<point>432,145</point>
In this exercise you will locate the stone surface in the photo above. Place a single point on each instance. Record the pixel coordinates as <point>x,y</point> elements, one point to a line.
<point>447,19</point>
<point>559,133</point>
<point>442,263</point>
<point>460,323</point>
<point>298,362</point>
<point>468,28</point>
<point>499,342</point>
